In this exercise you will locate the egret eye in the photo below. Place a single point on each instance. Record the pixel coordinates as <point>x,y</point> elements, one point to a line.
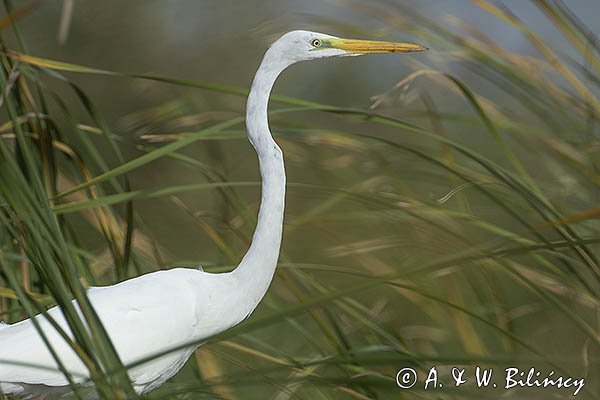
<point>316,43</point>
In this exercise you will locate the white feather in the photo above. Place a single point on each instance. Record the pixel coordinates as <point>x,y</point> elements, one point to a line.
<point>157,312</point>
<point>189,304</point>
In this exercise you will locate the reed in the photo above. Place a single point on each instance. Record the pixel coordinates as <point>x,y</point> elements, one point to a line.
<point>453,223</point>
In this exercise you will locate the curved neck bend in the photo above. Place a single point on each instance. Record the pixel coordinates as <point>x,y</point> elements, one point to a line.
<point>256,269</point>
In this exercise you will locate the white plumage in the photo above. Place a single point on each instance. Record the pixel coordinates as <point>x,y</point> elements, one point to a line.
<point>160,311</point>
<point>144,316</point>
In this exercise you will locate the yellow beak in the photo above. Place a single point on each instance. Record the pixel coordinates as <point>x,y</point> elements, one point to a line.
<point>356,46</point>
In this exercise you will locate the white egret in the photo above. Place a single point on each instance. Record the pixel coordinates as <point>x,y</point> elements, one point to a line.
<point>161,310</point>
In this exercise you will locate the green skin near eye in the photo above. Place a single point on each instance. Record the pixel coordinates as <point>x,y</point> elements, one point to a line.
<point>319,44</point>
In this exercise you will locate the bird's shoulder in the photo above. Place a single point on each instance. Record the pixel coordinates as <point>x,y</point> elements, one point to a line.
<point>174,292</point>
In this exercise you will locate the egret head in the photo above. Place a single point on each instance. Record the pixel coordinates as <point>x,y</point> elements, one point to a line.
<point>305,45</point>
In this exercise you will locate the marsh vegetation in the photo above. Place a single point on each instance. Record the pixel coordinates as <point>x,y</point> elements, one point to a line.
<point>442,208</point>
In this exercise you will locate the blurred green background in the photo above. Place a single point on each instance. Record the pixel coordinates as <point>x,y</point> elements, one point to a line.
<point>441,211</point>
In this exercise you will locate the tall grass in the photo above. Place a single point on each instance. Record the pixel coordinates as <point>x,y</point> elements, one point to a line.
<point>445,226</point>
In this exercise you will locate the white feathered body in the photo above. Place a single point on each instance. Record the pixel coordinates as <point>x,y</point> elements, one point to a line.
<point>143,317</point>
<point>159,311</point>
<point>162,310</point>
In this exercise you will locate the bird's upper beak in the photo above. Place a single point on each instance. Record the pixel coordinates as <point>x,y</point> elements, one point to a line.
<point>357,46</point>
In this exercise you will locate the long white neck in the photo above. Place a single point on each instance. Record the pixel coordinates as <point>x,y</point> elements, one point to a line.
<point>256,269</point>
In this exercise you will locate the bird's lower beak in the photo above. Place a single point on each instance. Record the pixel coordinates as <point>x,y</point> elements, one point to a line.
<point>356,46</point>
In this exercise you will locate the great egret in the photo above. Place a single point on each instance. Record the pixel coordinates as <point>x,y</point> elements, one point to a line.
<point>196,304</point>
